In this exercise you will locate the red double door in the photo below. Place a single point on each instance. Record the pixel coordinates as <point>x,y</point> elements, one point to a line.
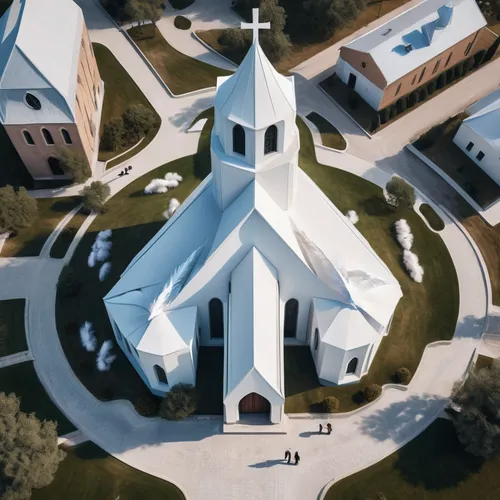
<point>254,403</point>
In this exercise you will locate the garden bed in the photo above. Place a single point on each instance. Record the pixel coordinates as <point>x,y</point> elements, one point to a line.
<point>12,333</point>
<point>120,92</point>
<point>437,144</point>
<point>330,136</point>
<point>431,217</point>
<point>181,73</point>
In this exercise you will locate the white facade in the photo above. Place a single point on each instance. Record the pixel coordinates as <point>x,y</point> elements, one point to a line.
<point>479,138</point>
<point>252,249</point>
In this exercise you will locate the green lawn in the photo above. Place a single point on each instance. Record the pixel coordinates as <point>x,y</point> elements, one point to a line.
<point>63,241</point>
<point>89,473</point>
<point>29,242</point>
<point>134,218</point>
<point>427,312</point>
<point>181,73</point>
<point>330,136</point>
<point>434,466</point>
<point>12,334</point>
<point>432,217</point>
<point>22,380</point>
<point>120,91</point>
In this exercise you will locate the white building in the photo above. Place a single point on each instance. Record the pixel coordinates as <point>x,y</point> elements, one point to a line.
<point>479,136</point>
<point>260,257</point>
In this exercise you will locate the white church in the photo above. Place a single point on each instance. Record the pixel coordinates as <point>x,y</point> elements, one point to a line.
<point>256,258</point>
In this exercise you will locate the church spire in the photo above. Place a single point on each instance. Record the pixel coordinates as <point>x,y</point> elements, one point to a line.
<point>255,26</point>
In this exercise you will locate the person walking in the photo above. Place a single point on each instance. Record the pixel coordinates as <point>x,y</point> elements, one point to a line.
<point>288,455</point>
<point>329,428</point>
<point>320,428</point>
<point>297,458</point>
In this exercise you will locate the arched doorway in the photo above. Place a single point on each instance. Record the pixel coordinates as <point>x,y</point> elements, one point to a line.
<point>254,403</point>
<point>351,367</point>
<point>216,314</point>
<point>55,165</point>
<point>291,314</point>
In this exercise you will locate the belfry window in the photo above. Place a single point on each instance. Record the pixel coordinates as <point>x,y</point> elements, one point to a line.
<point>239,140</point>
<point>271,140</point>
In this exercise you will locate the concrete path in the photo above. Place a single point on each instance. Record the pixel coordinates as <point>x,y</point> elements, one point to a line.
<point>15,359</point>
<point>72,439</point>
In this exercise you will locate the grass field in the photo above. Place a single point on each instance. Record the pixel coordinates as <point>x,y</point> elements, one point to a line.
<point>89,473</point>
<point>427,312</point>
<point>12,334</point>
<point>120,91</point>
<point>29,242</point>
<point>330,136</point>
<point>134,218</point>
<point>181,73</point>
<point>432,217</point>
<point>22,380</point>
<point>63,241</point>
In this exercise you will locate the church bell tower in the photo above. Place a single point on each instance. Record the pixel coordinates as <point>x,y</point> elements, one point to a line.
<point>255,136</point>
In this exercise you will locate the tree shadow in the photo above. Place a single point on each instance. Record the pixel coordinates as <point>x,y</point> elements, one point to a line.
<point>397,421</point>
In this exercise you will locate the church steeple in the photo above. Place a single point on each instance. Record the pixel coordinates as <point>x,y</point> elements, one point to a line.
<point>255,136</point>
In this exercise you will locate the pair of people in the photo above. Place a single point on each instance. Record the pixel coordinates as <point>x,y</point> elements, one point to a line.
<point>125,171</point>
<point>288,456</point>
<point>328,428</point>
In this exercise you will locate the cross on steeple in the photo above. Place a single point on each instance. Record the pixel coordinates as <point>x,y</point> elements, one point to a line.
<point>255,26</point>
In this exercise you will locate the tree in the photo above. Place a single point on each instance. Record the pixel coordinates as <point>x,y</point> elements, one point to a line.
<point>423,94</point>
<point>384,115</point>
<point>144,10</point>
<point>95,195</point>
<point>74,164</point>
<point>441,80</point>
<point>178,403</point>
<point>137,121</point>
<point>235,43</point>
<point>29,453</point>
<point>401,192</point>
<point>134,10</point>
<point>18,209</point>
<point>431,87</point>
<point>112,135</point>
<point>477,420</point>
<point>412,98</point>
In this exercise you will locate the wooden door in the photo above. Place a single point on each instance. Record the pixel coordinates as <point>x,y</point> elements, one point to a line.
<point>254,403</point>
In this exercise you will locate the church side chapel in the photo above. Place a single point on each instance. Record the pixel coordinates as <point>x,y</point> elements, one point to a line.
<point>256,258</point>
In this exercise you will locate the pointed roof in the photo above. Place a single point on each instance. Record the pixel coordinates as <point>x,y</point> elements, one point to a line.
<point>256,95</point>
<point>486,123</point>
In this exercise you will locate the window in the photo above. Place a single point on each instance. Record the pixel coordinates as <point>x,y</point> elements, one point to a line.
<point>436,67</point>
<point>448,59</point>
<point>239,140</point>
<point>47,136</point>
<point>467,50</point>
<point>32,101</point>
<point>480,156</point>
<point>291,314</point>
<point>413,79</point>
<point>28,138</point>
<point>316,339</point>
<point>469,146</point>
<point>421,75</point>
<point>351,367</point>
<point>216,313</point>
<point>160,374</point>
<point>66,136</point>
<point>271,140</point>
<point>55,166</point>
<point>363,65</point>
<point>398,89</point>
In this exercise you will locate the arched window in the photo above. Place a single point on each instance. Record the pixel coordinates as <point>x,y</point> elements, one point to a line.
<point>291,313</point>
<point>28,138</point>
<point>239,140</point>
<point>55,165</point>
<point>316,339</point>
<point>66,136</point>
<point>160,374</point>
<point>47,136</point>
<point>216,319</point>
<point>351,367</point>
<point>271,140</point>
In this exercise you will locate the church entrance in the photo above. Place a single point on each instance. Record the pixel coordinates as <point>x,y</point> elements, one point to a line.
<point>254,403</point>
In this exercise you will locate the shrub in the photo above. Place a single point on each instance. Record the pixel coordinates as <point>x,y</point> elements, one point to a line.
<point>431,87</point>
<point>458,70</point>
<point>401,191</point>
<point>372,392</point>
<point>401,104</point>
<point>393,111</point>
<point>468,65</point>
<point>137,121</point>
<point>94,196</point>
<point>182,23</point>
<point>353,100</point>
<point>146,405</point>
<point>178,403</point>
<point>68,285</point>
<point>479,57</point>
<point>422,96</point>
<point>18,210</point>
<point>494,46</point>
<point>375,124</point>
<point>107,394</point>
<point>449,75</point>
<point>412,99</point>
<point>330,404</point>
<point>180,4</point>
<point>402,376</point>
<point>441,80</point>
<point>384,115</point>
<point>74,164</point>
<point>112,135</point>
<point>71,328</point>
